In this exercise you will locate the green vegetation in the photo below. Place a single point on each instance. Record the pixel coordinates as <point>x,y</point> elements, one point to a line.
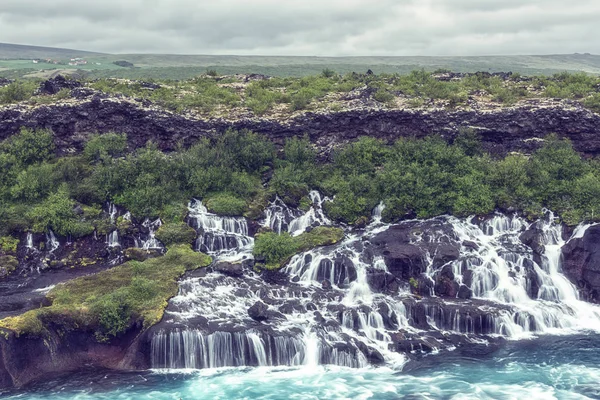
<point>414,178</point>
<point>277,249</point>
<point>39,191</point>
<point>175,233</point>
<point>8,244</point>
<point>215,95</point>
<point>112,301</point>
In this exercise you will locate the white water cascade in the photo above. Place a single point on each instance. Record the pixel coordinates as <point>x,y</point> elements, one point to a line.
<point>532,296</point>
<point>29,241</point>
<point>281,218</point>
<point>150,242</point>
<point>112,239</point>
<point>349,305</point>
<point>52,243</point>
<point>219,235</point>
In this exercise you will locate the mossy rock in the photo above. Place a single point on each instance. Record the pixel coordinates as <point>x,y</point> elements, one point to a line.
<point>137,254</point>
<point>176,233</point>
<point>123,225</point>
<point>276,250</point>
<point>226,204</point>
<point>258,204</point>
<point>8,264</point>
<point>112,301</point>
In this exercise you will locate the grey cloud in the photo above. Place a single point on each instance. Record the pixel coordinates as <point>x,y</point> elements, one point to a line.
<point>309,27</point>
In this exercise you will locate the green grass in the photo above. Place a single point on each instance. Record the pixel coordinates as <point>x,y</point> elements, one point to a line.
<point>111,301</point>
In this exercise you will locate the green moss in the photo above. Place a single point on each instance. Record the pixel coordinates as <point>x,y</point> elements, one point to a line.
<point>8,244</point>
<point>278,249</point>
<point>175,233</point>
<point>111,301</point>
<point>226,204</point>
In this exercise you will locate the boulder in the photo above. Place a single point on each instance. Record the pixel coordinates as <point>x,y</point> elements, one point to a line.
<point>228,268</point>
<point>259,311</point>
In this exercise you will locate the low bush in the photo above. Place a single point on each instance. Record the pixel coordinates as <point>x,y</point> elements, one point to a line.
<point>278,249</point>
<point>175,233</point>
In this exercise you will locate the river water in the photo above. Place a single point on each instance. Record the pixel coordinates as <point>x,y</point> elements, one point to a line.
<point>560,367</point>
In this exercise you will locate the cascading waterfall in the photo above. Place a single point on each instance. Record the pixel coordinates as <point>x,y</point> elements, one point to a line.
<point>150,242</point>
<point>504,271</point>
<point>112,239</point>
<point>219,235</point>
<point>29,241</point>
<point>332,315</point>
<point>113,212</point>
<point>281,218</point>
<point>278,216</point>
<point>52,244</point>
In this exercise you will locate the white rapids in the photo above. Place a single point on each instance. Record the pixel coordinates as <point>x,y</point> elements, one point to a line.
<point>330,313</point>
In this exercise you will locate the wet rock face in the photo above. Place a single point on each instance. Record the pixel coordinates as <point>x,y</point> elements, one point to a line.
<point>259,311</point>
<point>502,130</point>
<point>581,262</point>
<point>408,249</point>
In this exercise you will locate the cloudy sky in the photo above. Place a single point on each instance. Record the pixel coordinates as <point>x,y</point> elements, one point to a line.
<point>306,27</point>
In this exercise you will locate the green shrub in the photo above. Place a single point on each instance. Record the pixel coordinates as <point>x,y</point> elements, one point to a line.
<point>383,96</point>
<point>8,244</point>
<point>29,146</point>
<point>226,204</point>
<point>100,147</point>
<point>277,249</point>
<point>175,233</point>
<point>17,91</point>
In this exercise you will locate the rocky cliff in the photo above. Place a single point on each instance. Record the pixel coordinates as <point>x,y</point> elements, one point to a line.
<point>503,129</point>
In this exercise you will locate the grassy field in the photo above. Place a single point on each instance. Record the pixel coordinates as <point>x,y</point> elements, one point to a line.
<point>15,61</point>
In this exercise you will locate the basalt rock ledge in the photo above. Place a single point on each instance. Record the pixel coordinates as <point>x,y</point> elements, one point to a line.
<point>502,129</point>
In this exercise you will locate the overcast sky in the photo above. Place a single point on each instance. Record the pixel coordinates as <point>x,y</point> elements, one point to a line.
<point>306,27</point>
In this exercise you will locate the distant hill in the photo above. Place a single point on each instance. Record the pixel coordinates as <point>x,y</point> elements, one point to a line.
<point>20,52</point>
<point>15,61</point>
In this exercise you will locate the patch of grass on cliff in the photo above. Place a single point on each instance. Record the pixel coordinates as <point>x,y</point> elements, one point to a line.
<point>110,302</point>
<point>278,249</point>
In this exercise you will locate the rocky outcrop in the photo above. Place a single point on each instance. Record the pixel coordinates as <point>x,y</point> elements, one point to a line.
<point>502,130</point>
<point>26,359</point>
<point>581,262</point>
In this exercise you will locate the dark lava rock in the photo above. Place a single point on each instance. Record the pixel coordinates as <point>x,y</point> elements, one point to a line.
<point>465,292</point>
<point>275,277</point>
<point>581,262</point>
<point>326,284</point>
<point>382,282</point>
<point>231,269</point>
<point>55,85</point>
<point>259,311</point>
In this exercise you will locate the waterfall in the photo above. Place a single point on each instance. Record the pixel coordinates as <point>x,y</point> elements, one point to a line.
<point>314,216</point>
<point>217,234</point>
<point>29,241</point>
<point>281,218</point>
<point>278,216</point>
<point>376,215</point>
<point>113,212</point>
<point>112,239</point>
<point>150,242</point>
<point>337,307</point>
<point>52,244</point>
<point>504,271</point>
